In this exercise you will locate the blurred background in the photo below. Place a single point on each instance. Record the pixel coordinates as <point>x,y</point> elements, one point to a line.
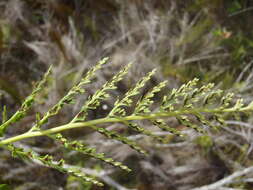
<point>208,39</point>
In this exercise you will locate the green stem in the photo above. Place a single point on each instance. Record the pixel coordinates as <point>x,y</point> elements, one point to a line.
<point>69,126</point>
<point>10,121</point>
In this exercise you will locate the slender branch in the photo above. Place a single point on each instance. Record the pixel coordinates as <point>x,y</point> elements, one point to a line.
<point>69,126</point>
<point>241,11</point>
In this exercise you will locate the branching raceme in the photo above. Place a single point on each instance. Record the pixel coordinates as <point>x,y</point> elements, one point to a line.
<point>194,107</point>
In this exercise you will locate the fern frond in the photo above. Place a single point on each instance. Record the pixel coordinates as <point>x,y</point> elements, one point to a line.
<point>143,105</point>
<point>141,130</point>
<point>170,101</point>
<point>26,105</point>
<point>184,120</point>
<point>94,101</point>
<point>196,108</point>
<point>115,136</point>
<point>127,100</point>
<point>48,161</point>
<point>80,147</point>
<point>164,126</point>
<point>69,97</point>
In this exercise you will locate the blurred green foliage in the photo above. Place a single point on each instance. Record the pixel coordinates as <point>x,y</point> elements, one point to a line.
<point>4,187</point>
<point>204,141</point>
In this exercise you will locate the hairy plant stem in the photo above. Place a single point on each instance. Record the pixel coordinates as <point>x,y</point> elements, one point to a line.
<point>69,126</point>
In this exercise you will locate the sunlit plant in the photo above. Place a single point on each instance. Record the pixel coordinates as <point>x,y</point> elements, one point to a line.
<point>195,107</point>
